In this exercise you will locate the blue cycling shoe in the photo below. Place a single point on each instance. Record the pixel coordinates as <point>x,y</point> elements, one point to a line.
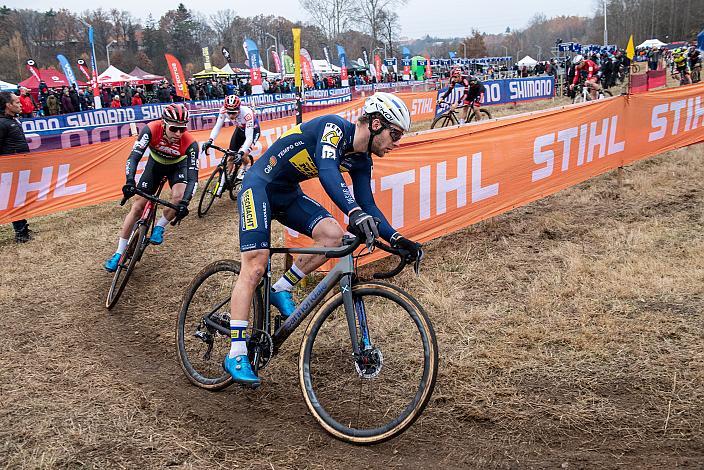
<point>157,237</point>
<point>283,301</point>
<point>111,264</point>
<point>241,370</point>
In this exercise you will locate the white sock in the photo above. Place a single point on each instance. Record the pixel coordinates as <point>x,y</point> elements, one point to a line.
<point>121,245</point>
<point>238,340</point>
<point>289,279</point>
<point>163,222</point>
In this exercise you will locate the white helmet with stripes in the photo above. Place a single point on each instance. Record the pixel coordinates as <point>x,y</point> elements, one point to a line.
<point>391,107</point>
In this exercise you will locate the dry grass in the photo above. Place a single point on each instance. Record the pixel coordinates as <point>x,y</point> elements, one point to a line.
<point>570,332</point>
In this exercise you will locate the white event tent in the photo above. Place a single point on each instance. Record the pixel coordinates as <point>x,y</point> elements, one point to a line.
<point>651,43</point>
<point>527,61</point>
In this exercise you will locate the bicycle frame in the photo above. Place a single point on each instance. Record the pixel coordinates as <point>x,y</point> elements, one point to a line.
<point>342,272</point>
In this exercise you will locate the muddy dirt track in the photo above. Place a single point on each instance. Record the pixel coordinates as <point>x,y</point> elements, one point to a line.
<point>570,336</point>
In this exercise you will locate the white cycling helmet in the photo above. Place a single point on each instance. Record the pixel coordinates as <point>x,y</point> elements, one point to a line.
<point>576,60</point>
<point>391,107</point>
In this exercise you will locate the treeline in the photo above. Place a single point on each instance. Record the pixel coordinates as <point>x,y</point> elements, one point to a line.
<point>355,24</point>
<point>182,32</point>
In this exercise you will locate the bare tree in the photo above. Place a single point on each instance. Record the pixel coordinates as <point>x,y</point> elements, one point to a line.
<point>371,13</point>
<point>331,16</point>
<point>390,29</point>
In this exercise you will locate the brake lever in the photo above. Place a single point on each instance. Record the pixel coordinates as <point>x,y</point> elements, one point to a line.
<point>416,264</point>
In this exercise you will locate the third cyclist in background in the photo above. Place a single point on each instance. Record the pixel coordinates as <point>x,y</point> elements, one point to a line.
<point>245,135</point>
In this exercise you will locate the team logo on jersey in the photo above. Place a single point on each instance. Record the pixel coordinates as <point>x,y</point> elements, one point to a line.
<point>304,164</point>
<point>331,134</point>
<point>328,152</point>
<point>272,161</point>
<point>249,213</point>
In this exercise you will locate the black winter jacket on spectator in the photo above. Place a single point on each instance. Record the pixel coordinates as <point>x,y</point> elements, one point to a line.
<point>12,138</point>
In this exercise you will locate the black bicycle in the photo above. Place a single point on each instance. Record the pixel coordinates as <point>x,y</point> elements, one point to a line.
<point>369,357</point>
<point>137,242</point>
<point>449,116</point>
<point>221,180</point>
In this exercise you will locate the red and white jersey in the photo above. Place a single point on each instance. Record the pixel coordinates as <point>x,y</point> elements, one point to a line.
<point>246,119</point>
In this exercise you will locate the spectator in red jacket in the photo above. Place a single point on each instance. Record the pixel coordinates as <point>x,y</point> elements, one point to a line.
<point>115,103</point>
<point>136,99</point>
<point>27,102</point>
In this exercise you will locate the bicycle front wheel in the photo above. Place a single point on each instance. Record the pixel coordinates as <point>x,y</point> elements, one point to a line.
<point>203,325</point>
<point>443,120</point>
<point>210,192</point>
<point>375,397</point>
<point>129,259</point>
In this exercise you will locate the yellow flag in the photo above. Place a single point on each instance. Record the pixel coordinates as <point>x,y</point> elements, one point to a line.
<point>297,56</point>
<point>630,50</point>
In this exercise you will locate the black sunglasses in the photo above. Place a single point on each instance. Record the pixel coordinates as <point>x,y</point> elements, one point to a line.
<point>177,128</point>
<point>394,133</point>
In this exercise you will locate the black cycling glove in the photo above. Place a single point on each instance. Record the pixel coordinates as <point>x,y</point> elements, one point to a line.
<point>181,210</point>
<point>414,249</point>
<point>129,189</point>
<point>365,225</point>
<point>206,145</point>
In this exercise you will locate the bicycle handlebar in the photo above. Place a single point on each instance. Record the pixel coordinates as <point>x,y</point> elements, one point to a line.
<point>228,152</point>
<point>155,200</point>
<point>404,255</point>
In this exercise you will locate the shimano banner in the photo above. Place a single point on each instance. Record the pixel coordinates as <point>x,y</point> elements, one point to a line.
<point>506,91</point>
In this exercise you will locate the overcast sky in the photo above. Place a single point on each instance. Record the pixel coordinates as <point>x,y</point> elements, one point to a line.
<point>444,18</point>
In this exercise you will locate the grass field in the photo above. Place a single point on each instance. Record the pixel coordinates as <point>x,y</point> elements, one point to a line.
<point>570,334</point>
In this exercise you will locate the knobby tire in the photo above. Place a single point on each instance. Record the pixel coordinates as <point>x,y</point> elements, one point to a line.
<point>135,247</point>
<point>209,288</point>
<point>332,358</point>
<point>209,190</point>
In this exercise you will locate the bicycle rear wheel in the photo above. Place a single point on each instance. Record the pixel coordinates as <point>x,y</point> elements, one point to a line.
<point>135,247</point>
<point>210,192</point>
<point>203,325</point>
<point>443,120</point>
<point>376,397</point>
<point>485,115</point>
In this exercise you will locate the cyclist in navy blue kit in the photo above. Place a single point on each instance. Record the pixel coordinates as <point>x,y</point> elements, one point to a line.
<point>323,148</point>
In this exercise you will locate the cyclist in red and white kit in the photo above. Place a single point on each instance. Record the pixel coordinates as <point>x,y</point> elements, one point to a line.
<point>591,71</point>
<point>246,131</point>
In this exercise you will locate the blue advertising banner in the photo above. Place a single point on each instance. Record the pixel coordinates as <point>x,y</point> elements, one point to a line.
<point>505,91</point>
<point>68,71</point>
<point>104,125</point>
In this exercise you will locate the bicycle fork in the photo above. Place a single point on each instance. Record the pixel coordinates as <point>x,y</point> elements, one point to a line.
<point>356,316</point>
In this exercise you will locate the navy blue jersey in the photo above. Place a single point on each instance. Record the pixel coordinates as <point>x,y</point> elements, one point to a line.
<point>322,148</point>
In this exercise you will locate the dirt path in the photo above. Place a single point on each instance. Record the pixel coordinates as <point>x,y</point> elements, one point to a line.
<point>570,334</point>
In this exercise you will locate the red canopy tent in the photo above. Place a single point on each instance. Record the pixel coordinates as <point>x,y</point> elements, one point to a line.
<point>53,79</point>
<point>146,77</point>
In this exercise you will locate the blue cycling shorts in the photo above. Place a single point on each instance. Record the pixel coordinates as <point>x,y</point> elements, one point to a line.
<point>261,201</point>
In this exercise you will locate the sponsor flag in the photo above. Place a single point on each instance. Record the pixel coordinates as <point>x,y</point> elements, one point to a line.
<point>277,61</point>
<point>255,72</point>
<point>428,69</point>
<point>297,57</point>
<point>343,65</point>
<point>32,67</point>
<point>289,64</point>
<point>177,76</point>
<point>226,55</point>
<point>326,53</point>
<point>365,56</point>
<point>630,49</point>
<point>377,66</point>
<point>83,69</point>
<point>406,61</point>
<point>307,68</point>
<point>206,58</point>
<point>68,71</point>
